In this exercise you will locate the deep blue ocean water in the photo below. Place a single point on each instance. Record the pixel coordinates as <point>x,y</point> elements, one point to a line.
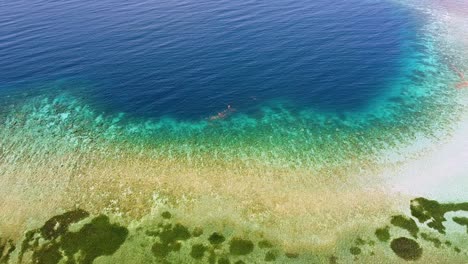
<point>189,59</point>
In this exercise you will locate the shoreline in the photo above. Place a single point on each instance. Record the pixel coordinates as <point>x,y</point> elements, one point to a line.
<point>441,171</point>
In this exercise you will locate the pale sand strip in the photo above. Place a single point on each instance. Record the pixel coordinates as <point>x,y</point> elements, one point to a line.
<point>441,172</point>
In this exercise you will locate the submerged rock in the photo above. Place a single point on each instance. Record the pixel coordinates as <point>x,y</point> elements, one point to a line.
<point>463,221</point>
<point>216,238</point>
<point>59,224</point>
<point>406,248</point>
<point>383,234</point>
<point>434,212</point>
<point>6,248</point>
<point>405,223</point>
<point>240,246</point>
<point>96,238</point>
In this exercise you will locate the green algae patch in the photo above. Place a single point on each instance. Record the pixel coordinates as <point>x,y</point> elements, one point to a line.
<point>198,251</point>
<point>6,248</point>
<point>383,234</point>
<point>28,242</point>
<point>239,246</point>
<point>98,238</point>
<point>47,254</point>
<point>216,239</point>
<point>437,243</point>
<point>463,221</point>
<point>54,241</point>
<point>170,237</point>
<point>166,215</point>
<point>59,224</point>
<point>406,248</point>
<point>355,251</point>
<point>434,212</point>
<point>406,223</point>
<point>51,230</point>
<point>171,234</point>
<point>160,250</point>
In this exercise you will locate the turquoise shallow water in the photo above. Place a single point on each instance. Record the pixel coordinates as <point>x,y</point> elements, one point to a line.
<point>288,82</point>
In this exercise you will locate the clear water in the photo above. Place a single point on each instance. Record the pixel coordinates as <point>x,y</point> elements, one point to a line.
<point>189,59</point>
<point>265,122</point>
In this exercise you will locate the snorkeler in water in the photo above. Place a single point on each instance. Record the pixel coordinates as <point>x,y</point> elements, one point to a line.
<point>223,114</point>
<point>462,85</point>
<point>460,74</point>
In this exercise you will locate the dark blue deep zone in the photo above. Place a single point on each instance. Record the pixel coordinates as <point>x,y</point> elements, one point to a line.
<point>190,58</point>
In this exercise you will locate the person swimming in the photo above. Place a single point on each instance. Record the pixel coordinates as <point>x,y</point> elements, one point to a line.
<point>460,74</point>
<point>223,114</point>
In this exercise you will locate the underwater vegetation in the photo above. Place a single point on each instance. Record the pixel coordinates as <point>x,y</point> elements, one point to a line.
<point>97,238</point>
<point>78,237</point>
<point>463,221</point>
<point>6,248</point>
<point>433,213</point>
<point>406,248</point>
<point>429,213</point>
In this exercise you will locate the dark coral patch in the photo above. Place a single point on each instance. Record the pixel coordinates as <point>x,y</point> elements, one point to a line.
<point>434,212</point>
<point>463,221</point>
<point>160,250</point>
<point>405,223</point>
<point>97,238</point>
<point>166,215</point>
<point>6,248</point>
<point>172,234</point>
<point>239,246</point>
<point>27,243</point>
<point>59,224</point>
<point>406,248</point>
<point>170,237</point>
<point>216,238</point>
<point>47,254</point>
<point>355,251</point>
<point>383,234</point>
<point>51,230</point>
<point>437,243</point>
<point>198,251</point>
